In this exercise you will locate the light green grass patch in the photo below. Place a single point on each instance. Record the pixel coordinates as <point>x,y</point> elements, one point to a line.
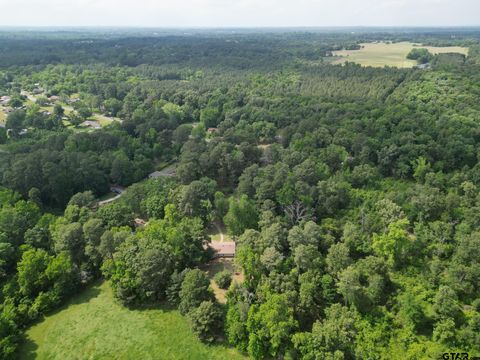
<point>386,54</point>
<point>215,230</point>
<point>95,326</point>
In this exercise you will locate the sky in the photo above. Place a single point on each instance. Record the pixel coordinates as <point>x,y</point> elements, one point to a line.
<point>239,13</point>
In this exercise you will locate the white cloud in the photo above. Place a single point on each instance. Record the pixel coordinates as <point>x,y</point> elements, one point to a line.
<point>239,12</point>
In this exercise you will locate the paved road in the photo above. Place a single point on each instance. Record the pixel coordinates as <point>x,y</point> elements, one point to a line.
<point>119,190</point>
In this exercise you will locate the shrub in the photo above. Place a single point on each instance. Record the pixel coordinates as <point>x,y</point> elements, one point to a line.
<point>223,279</point>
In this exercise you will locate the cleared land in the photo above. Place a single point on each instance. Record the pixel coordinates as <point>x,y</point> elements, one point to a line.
<point>94,326</point>
<point>383,54</point>
<point>218,265</point>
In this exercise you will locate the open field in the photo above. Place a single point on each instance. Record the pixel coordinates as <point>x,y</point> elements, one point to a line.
<point>94,326</point>
<point>383,54</point>
<point>3,116</point>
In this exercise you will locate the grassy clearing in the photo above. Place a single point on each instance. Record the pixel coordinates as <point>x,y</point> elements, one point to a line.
<point>3,116</point>
<point>94,326</point>
<point>217,266</point>
<point>215,230</point>
<point>383,54</point>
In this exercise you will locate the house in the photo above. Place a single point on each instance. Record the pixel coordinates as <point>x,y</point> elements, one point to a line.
<point>139,222</point>
<point>426,66</point>
<point>54,98</point>
<point>212,130</point>
<point>92,124</point>
<point>223,249</point>
<point>5,100</point>
<point>166,172</point>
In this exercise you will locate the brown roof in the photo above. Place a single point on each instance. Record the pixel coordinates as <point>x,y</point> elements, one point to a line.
<point>223,248</point>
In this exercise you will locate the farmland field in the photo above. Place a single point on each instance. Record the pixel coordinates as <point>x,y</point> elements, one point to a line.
<point>94,326</point>
<point>395,54</point>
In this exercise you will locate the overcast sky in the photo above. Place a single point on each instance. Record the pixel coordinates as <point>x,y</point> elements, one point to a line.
<point>233,13</point>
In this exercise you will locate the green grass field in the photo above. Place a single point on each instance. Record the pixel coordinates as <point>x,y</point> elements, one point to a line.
<point>383,54</point>
<point>94,326</point>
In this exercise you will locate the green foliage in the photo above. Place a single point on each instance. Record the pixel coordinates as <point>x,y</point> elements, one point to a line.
<point>206,321</point>
<point>195,290</point>
<point>422,55</point>
<point>270,325</point>
<point>332,338</point>
<point>241,215</point>
<point>340,184</point>
<point>210,117</point>
<point>394,245</point>
<point>223,279</point>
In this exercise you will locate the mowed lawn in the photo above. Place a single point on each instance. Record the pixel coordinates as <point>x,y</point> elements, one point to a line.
<point>382,54</point>
<point>94,326</point>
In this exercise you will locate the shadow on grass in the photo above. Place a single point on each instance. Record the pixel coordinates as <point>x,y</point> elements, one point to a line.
<point>84,296</point>
<point>28,348</point>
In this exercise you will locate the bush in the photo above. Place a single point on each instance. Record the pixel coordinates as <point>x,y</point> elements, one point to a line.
<point>223,279</point>
<point>423,56</point>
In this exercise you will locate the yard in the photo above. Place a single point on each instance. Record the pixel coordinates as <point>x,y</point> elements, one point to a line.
<point>383,54</point>
<point>218,265</point>
<point>94,326</point>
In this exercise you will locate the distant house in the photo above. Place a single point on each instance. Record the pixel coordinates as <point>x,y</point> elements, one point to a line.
<point>5,100</point>
<point>54,98</point>
<point>139,222</point>
<point>423,66</point>
<point>223,249</point>
<point>92,124</point>
<point>212,130</point>
<point>167,172</point>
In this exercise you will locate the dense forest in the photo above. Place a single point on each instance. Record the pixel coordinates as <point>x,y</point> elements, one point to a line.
<point>351,192</point>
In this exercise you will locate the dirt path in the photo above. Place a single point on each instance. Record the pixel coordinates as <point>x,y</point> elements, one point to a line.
<point>219,231</point>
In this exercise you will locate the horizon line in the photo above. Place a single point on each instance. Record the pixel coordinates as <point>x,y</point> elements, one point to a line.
<point>242,26</point>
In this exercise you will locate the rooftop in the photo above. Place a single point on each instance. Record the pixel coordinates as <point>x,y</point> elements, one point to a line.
<point>223,249</point>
